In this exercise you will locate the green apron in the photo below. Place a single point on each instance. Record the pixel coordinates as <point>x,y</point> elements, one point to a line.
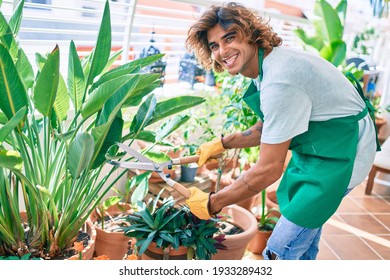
<point>321,165</point>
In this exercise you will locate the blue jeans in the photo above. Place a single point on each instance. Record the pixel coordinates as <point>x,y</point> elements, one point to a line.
<point>292,242</point>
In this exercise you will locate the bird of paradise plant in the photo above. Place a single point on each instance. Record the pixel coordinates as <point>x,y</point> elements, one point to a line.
<point>53,157</point>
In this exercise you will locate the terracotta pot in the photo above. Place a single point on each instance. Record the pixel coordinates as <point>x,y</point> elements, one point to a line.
<point>258,243</point>
<point>109,243</point>
<point>236,244</point>
<point>154,253</point>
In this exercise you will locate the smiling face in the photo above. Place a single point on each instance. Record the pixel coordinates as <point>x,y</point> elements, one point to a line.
<point>233,52</point>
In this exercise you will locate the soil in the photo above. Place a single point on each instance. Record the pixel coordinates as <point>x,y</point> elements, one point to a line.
<point>228,228</point>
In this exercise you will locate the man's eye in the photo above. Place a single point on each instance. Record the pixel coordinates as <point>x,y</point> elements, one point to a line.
<point>213,47</point>
<point>229,39</point>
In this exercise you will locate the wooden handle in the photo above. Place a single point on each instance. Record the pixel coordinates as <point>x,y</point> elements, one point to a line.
<point>185,160</point>
<point>181,189</point>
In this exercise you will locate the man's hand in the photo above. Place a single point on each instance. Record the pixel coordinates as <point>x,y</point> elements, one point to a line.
<point>209,150</point>
<point>198,203</point>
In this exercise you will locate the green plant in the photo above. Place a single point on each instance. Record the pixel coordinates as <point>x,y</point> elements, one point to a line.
<point>170,225</point>
<point>53,156</point>
<point>266,223</point>
<point>329,30</point>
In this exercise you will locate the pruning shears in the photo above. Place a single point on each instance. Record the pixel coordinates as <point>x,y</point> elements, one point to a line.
<point>145,163</point>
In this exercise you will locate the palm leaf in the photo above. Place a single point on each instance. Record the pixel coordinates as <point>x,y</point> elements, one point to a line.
<point>143,115</point>
<point>80,154</point>
<point>76,79</point>
<point>102,49</point>
<point>13,122</point>
<point>45,90</point>
<point>13,96</point>
<point>25,69</point>
<point>174,105</point>
<point>16,18</point>
<point>61,103</point>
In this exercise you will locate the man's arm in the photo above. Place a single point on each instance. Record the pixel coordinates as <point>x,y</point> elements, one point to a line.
<point>265,172</point>
<point>245,139</point>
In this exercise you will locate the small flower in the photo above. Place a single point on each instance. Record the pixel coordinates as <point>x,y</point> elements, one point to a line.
<point>101,257</point>
<point>132,257</point>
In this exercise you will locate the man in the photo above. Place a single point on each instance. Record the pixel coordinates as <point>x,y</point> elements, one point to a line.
<point>306,105</point>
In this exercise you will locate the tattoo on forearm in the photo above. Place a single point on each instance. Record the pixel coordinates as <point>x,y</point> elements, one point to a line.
<point>246,132</point>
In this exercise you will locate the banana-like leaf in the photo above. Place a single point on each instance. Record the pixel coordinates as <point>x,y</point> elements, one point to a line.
<point>119,86</point>
<point>111,60</point>
<point>12,124</point>
<point>315,41</point>
<point>76,79</point>
<point>174,105</point>
<point>13,96</point>
<point>331,24</point>
<point>170,126</point>
<point>144,114</point>
<point>80,154</point>
<point>141,190</point>
<point>25,69</point>
<point>61,103</point>
<point>102,49</point>
<point>131,67</point>
<point>11,160</point>
<point>8,38</point>
<point>335,52</point>
<point>46,87</point>
<point>113,136</point>
<point>16,18</point>
<point>151,83</point>
<point>341,9</point>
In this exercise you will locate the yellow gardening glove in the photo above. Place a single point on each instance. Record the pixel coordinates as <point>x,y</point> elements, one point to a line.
<point>209,150</point>
<point>197,202</point>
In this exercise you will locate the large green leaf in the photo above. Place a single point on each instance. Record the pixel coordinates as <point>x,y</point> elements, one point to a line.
<point>119,86</point>
<point>331,24</point>
<point>45,90</point>
<point>141,190</point>
<point>335,53</point>
<point>341,9</point>
<point>174,105</point>
<point>170,126</point>
<point>149,84</point>
<point>80,154</point>
<point>129,68</point>
<point>102,49</point>
<point>25,69</point>
<point>113,136</point>
<point>16,18</point>
<point>76,79</point>
<point>144,114</point>
<point>13,94</point>
<point>12,124</point>
<point>8,38</point>
<point>61,103</point>
<point>10,160</point>
<point>315,41</point>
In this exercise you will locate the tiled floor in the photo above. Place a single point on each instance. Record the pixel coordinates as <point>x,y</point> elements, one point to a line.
<point>360,229</point>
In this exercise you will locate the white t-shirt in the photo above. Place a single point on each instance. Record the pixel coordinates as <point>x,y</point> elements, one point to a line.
<point>299,87</point>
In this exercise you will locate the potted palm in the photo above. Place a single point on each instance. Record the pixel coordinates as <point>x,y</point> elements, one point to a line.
<point>54,158</point>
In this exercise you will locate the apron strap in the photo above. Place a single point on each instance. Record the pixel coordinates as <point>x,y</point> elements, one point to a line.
<point>368,103</point>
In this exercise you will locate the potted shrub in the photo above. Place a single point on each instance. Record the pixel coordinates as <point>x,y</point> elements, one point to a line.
<point>169,231</point>
<point>53,157</point>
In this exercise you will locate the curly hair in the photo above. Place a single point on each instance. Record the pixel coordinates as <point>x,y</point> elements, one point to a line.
<point>229,15</point>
